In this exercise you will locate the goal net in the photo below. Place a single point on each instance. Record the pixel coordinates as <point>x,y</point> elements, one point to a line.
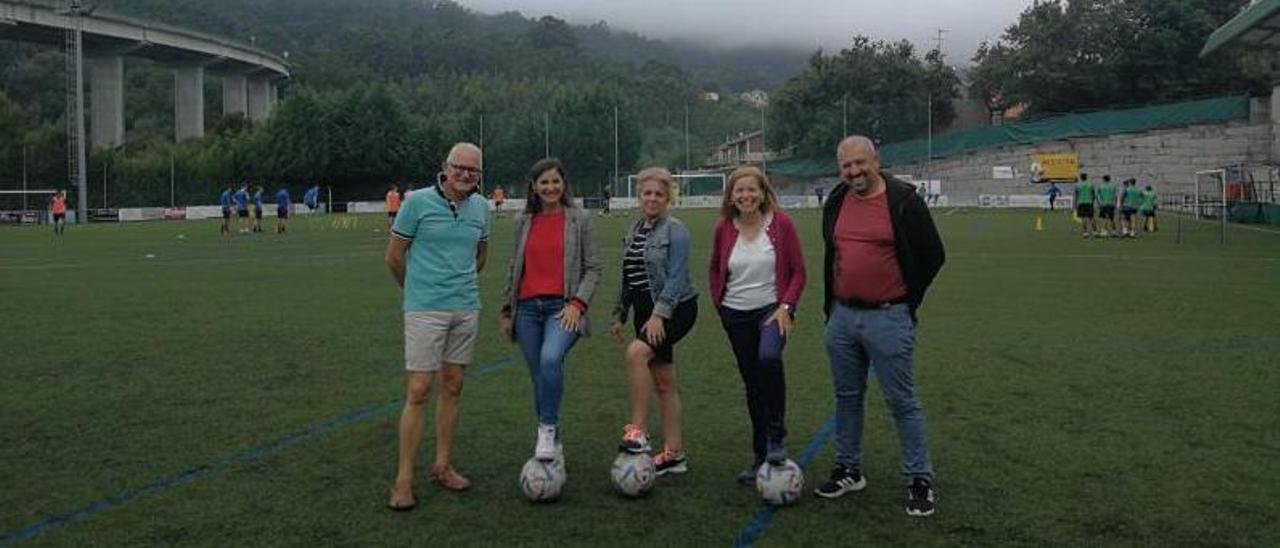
<point>25,206</point>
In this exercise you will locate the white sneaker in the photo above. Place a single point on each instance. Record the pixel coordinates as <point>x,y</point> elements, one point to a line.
<point>548,448</point>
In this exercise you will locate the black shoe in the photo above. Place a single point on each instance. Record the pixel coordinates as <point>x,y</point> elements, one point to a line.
<point>777,455</point>
<point>747,477</point>
<point>842,481</point>
<point>920,498</point>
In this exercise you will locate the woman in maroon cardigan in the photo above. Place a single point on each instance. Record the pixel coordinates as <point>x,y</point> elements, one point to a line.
<point>757,276</point>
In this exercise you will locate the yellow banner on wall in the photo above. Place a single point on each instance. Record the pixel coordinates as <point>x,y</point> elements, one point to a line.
<point>1059,168</point>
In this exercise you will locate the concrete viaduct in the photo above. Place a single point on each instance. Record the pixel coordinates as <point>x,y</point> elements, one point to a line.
<point>249,75</point>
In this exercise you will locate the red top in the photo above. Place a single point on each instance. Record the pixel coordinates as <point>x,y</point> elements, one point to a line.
<point>59,204</point>
<point>544,257</point>
<point>789,260</point>
<point>866,261</point>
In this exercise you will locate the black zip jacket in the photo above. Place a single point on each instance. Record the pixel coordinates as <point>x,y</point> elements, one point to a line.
<point>915,239</point>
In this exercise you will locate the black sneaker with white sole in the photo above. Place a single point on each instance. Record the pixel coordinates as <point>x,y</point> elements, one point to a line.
<point>920,499</point>
<point>842,481</point>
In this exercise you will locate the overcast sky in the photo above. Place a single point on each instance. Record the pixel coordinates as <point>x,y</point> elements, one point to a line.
<point>808,24</point>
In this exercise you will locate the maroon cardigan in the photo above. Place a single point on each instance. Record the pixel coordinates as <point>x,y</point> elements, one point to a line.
<point>789,267</point>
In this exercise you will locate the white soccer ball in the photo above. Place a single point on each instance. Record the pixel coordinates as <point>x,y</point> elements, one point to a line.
<point>780,485</point>
<point>633,473</point>
<point>542,481</point>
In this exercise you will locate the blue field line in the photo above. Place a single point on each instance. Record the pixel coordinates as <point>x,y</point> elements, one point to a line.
<point>243,457</point>
<point>754,529</point>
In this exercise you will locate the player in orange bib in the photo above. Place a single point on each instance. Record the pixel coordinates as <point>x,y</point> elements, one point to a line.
<point>393,204</point>
<point>58,206</point>
<point>499,196</point>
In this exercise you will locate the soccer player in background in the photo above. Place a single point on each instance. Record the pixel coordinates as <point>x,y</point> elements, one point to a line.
<point>1107,205</point>
<point>1147,206</point>
<point>393,204</point>
<point>1052,193</point>
<point>311,198</point>
<point>58,207</point>
<point>241,198</point>
<point>282,209</point>
<point>225,200</point>
<point>1130,199</point>
<point>257,208</point>
<point>500,197</point>
<point>438,245</point>
<point>1085,198</point>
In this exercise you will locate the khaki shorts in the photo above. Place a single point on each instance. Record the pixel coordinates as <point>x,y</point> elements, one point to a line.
<point>435,338</point>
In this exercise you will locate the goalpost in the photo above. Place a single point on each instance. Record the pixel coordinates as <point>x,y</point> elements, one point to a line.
<point>27,206</point>
<point>694,188</point>
<point>1208,201</point>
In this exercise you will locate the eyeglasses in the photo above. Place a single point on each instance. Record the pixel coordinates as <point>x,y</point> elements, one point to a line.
<point>467,170</point>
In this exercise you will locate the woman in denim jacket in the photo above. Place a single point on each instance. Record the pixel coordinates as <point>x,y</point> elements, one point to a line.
<point>656,284</point>
<point>552,274</point>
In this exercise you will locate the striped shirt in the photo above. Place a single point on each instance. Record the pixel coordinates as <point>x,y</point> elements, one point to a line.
<point>633,271</point>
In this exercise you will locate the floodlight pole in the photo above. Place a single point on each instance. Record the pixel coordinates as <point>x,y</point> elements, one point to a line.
<point>24,178</point>
<point>845,106</point>
<point>546,134</point>
<point>613,183</point>
<point>172,202</point>
<point>928,159</point>
<point>686,137</point>
<point>764,143</point>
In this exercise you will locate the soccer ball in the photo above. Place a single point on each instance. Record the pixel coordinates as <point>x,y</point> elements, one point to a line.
<point>541,481</point>
<point>633,473</point>
<point>780,485</point>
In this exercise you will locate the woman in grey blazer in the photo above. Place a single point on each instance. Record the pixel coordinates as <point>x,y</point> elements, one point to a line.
<point>551,276</point>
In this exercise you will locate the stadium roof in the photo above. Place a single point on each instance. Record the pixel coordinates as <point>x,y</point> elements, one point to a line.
<point>1259,25</point>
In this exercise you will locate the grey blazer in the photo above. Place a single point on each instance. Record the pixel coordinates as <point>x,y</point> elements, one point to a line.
<point>581,260</point>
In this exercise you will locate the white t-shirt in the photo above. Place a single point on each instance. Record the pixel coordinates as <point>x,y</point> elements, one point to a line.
<point>752,281</point>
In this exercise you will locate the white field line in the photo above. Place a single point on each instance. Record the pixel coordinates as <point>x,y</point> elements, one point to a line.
<point>186,262</point>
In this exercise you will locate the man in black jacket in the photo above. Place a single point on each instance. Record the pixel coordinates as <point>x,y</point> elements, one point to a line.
<point>882,252</point>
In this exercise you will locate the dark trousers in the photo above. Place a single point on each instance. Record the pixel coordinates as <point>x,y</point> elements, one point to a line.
<point>758,348</point>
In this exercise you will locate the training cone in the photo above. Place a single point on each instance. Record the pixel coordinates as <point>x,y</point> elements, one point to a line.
<point>1039,224</point>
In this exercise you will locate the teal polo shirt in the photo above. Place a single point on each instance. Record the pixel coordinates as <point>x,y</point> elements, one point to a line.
<point>441,270</point>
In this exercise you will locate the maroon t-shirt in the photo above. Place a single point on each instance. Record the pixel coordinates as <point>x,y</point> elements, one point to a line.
<point>866,261</point>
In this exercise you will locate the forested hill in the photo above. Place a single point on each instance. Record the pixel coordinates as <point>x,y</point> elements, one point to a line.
<point>331,26</point>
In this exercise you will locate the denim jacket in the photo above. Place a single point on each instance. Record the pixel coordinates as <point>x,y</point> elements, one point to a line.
<point>666,260</point>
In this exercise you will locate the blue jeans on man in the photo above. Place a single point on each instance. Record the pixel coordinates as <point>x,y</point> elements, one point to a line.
<point>544,344</point>
<point>883,340</point>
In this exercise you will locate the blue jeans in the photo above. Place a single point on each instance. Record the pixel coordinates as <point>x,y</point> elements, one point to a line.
<point>857,341</point>
<point>544,345</point>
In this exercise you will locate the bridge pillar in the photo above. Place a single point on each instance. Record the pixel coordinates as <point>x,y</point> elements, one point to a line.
<point>259,99</point>
<point>188,102</point>
<point>235,95</point>
<point>106,98</point>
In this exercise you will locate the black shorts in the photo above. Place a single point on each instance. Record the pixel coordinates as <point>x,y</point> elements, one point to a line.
<point>1084,210</point>
<point>59,217</point>
<point>226,214</point>
<point>1151,214</point>
<point>243,213</point>
<point>391,214</point>
<point>1128,212</point>
<point>257,213</point>
<point>676,327</point>
<point>1108,212</point>
<point>282,212</point>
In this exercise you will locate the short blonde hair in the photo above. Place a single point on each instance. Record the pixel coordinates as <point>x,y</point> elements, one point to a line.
<point>660,174</point>
<point>770,203</point>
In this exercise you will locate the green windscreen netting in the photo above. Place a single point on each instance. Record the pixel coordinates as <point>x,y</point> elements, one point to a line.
<point>1087,124</point>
